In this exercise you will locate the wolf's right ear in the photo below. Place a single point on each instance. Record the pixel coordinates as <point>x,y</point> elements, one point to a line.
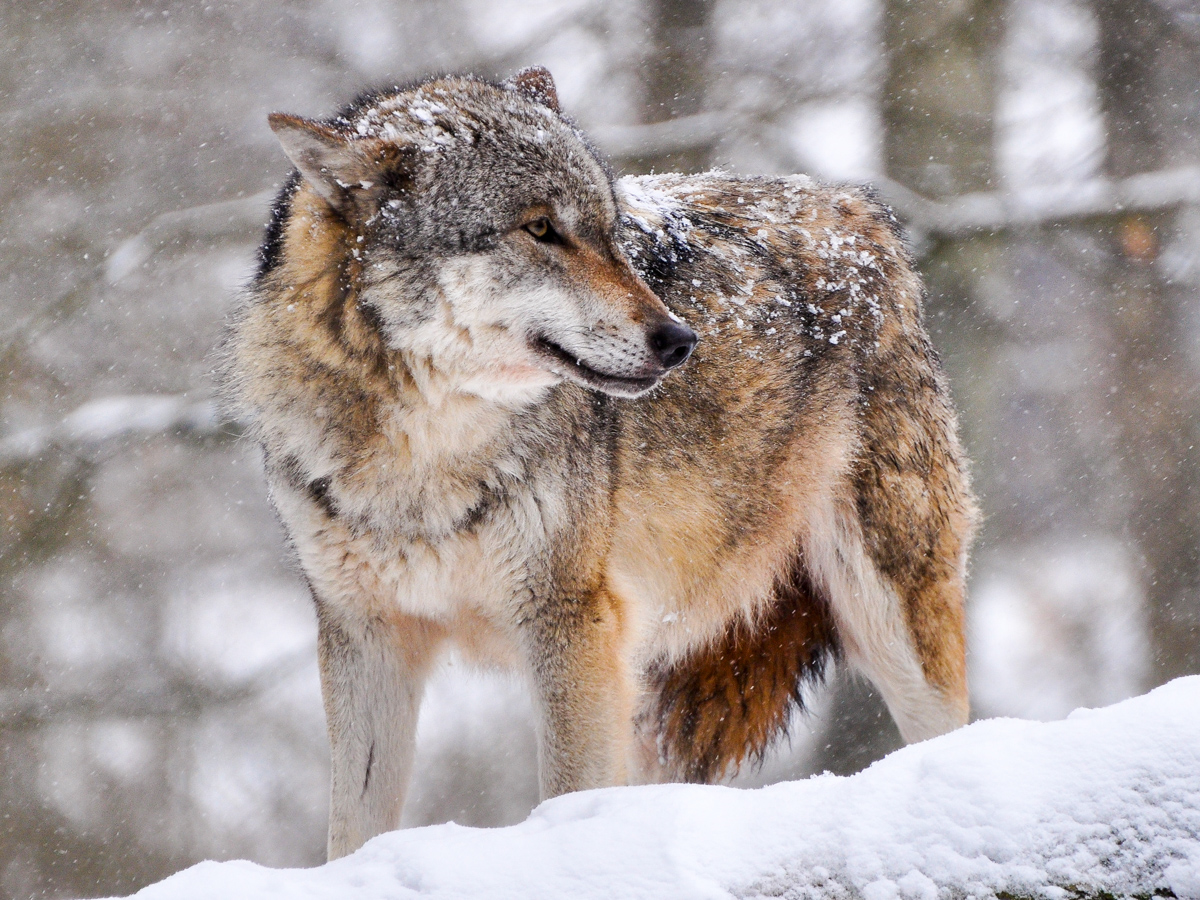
<point>536,83</point>
<point>335,165</point>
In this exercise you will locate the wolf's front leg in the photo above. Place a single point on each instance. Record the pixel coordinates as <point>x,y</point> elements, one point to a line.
<point>584,694</point>
<point>372,677</point>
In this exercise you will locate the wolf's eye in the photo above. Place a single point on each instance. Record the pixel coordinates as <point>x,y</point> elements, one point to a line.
<point>543,231</point>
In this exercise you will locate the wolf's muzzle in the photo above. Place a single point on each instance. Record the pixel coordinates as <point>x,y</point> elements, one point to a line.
<point>672,344</point>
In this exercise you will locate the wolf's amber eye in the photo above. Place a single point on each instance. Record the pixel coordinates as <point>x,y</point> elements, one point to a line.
<point>543,231</point>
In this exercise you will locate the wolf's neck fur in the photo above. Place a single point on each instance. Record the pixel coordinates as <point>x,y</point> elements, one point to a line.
<point>412,453</point>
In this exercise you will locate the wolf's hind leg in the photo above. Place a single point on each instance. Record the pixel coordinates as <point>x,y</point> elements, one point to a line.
<point>372,677</point>
<point>906,638</point>
<point>923,685</point>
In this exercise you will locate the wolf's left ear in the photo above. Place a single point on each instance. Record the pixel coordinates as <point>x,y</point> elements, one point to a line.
<point>537,84</point>
<point>338,167</point>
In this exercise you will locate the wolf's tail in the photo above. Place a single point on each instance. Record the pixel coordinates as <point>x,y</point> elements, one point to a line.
<point>727,702</point>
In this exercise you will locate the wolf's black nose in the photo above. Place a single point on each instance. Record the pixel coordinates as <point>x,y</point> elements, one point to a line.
<point>673,343</point>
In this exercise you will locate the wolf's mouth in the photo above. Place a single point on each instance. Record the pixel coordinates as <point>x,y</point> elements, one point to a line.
<point>573,367</point>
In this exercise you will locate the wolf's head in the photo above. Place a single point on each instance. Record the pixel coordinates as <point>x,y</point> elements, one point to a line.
<point>484,232</point>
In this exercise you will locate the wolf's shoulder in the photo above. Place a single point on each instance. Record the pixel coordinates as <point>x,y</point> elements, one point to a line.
<point>673,214</point>
<point>827,245</point>
<point>774,270</point>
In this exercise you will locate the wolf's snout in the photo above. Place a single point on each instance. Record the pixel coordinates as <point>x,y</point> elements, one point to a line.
<point>673,343</point>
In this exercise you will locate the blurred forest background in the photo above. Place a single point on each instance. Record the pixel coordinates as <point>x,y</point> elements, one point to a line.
<point>158,690</point>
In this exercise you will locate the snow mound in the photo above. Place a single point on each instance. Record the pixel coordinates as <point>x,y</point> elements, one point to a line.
<point>1105,801</point>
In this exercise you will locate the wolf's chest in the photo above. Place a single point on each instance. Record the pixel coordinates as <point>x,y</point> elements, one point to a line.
<point>480,570</point>
<point>430,548</point>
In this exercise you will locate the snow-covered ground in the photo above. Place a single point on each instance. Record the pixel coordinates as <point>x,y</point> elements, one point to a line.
<point>1105,801</point>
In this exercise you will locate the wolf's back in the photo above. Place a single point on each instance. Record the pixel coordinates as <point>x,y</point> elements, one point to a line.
<point>812,348</point>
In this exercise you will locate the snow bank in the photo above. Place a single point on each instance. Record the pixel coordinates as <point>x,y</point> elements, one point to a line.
<point>1104,801</point>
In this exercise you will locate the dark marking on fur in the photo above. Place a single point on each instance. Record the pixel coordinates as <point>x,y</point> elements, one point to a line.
<point>727,702</point>
<point>491,497</point>
<point>269,253</point>
<point>318,492</point>
<point>294,475</point>
<point>397,177</point>
<point>370,317</point>
<point>289,468</point>
<point>370,763</point>
<point>334,313</point>
<point>657,258</point>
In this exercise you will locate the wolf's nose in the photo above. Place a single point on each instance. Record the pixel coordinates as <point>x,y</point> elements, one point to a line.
<point>673,343</point>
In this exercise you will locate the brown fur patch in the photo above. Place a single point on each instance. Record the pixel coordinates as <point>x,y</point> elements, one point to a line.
<point>727,701</point>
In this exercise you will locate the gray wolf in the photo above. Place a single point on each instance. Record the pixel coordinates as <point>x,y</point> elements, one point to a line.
<point>663,445</point>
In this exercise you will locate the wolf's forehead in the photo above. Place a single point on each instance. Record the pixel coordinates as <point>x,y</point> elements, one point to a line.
<point>429,118</point>
<point>446,119</point>
<point>435,115</point>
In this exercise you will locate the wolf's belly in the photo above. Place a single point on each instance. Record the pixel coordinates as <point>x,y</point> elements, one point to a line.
<point>682,584</point>
<point>687,566</point>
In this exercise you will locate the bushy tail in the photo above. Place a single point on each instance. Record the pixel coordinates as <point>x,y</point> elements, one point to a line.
<point>726,703</point>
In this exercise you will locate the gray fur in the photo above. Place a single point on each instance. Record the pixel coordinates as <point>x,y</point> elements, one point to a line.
<point>456,359</point>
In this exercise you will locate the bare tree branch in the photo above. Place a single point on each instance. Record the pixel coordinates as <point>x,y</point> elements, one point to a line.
<point>174,695</point>
<point>662,138</point>
<point>244,215</point>
<point>105,419</point>
<point>1006,210</point>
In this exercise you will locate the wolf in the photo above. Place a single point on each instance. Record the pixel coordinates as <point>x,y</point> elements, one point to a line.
<point>663,445</point>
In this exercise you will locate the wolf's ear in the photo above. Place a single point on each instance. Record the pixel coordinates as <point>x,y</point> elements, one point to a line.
<point>537,84</point>
<point>335,165</point>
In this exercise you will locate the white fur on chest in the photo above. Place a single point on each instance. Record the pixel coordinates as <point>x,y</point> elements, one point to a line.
<point>480,571</point>
<point>427,470</point>
<point>416,529</point>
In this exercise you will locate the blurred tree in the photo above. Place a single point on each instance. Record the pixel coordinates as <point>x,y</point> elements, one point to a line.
<point>939,93</point>
<point>1143,60</point>
<point>675,76</point>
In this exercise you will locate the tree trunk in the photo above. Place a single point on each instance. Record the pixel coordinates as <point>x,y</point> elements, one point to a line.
<point>675,79</point>
<point>939,94</point>
<point>1154,396</point>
